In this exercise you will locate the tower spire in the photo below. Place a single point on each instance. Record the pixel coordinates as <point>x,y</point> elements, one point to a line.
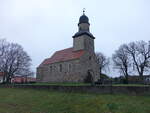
<point>83,11</point>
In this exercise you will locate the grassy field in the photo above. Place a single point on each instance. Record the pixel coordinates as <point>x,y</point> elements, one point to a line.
<point>40,101</point>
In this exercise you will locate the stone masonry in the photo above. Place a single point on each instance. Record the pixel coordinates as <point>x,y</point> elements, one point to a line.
<point>72,64</point>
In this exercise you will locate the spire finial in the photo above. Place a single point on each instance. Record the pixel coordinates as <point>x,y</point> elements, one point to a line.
<point>83,10</point>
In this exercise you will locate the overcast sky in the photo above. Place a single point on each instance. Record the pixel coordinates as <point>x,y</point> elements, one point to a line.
<point>45,26</point>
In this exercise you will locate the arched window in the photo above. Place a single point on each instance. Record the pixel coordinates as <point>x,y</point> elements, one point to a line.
<point>60,67</point>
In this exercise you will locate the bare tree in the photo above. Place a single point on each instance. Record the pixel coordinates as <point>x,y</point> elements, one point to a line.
<point>140,53</point>
<point>122,61</point>
<point>103,62</point>
<point>14,61</point>
<point>3,45</point>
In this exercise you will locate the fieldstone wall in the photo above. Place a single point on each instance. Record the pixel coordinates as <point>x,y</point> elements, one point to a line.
<point>130,90</point>
<point>75,70</point>
<point>78,43</point>
<point>72,71</point>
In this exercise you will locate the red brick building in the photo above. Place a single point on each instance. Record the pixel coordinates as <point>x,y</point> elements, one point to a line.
<point>1,77</point>
<point>23,79</point>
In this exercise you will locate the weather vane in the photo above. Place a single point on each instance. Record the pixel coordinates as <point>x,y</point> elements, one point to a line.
<point>83,10</point>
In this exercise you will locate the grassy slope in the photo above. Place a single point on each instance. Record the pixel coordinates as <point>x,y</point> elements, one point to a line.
<point>36,101</point>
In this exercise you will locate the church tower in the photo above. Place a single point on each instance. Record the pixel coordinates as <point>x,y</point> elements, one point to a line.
<point>83,39</point>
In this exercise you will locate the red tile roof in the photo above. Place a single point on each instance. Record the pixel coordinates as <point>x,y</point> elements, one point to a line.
<point>1,73</point>
<point>63,55</point>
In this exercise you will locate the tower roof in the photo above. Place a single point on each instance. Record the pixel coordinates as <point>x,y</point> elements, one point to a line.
<point>83,19</point>
<point>83,30</point>
<point>83,33</point>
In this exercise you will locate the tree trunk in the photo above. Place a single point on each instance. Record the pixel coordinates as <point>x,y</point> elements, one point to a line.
<point>141,77</point>
<point>100,72</point>
<point>127,81</point>
<point>126,73</point>
<point>8,80</point>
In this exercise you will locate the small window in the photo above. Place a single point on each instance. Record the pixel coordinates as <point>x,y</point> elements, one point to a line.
<point>69,67</point>
<point>50,68</point>
<point>90,57</point>
<point>54,69</point>
<point>60,67</point>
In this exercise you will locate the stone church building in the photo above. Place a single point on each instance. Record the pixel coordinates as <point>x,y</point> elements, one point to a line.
<point>75,64</point>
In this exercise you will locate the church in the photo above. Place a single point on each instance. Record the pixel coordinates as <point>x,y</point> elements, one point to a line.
<point>74,64</point>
